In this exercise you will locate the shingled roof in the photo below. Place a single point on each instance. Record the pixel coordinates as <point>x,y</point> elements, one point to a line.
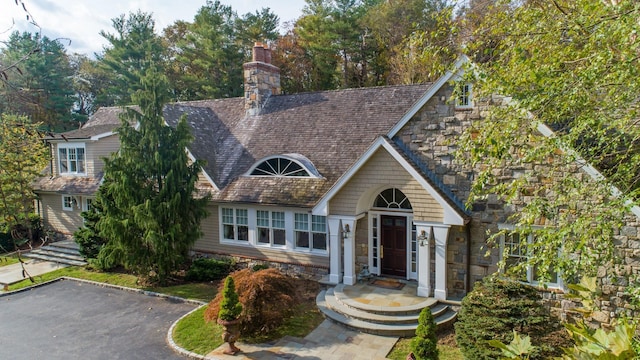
<point>330,128</point>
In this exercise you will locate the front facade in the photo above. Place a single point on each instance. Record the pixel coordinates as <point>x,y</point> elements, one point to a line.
<point>333,184</point>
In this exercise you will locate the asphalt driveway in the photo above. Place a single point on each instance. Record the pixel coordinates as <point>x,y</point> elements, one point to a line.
<point>74,320</point>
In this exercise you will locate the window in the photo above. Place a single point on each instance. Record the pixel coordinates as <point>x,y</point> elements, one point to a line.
<point>88,204</point>
<point>67,203</point>
<point>514,248</point>
<point>310,235</point>
<point>464,97</point>
<point>235,224</point>
<point>271,229</point>
<point>392,199</point>
<point>71,158</point>
<point>280,167</point>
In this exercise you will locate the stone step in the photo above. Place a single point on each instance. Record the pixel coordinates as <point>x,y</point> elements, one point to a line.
<point>66,244</point>
<point>364,326</point>
<point>382,310</point>
<point>61,250</point>
<point>332,302</point>
<point>55,257</point>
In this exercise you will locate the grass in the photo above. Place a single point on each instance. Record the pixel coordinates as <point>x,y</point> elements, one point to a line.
<point>402,348</point>
<point>8,260</point>
<point>193,333</point>
<point>197,291</point>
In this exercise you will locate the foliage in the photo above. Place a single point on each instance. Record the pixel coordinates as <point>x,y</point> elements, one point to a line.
<point>88,236</point>
<point>133,49</point>
<point>424,345</point>
<point>403,347</point>
<point>208,269</point>
<point>267,296</point>
<point>194,334</point>
<point>40,86</point>
<point>230,306</point>
<point>565,64</point>
<point>151,211</point>
<point>23,155</point>
<point>519,348</point>
<point>494,309</point>
<point>616,343</point>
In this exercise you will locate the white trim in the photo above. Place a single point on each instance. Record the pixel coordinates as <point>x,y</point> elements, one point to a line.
<point>71,145</point>
<point>206,176</point>
<point>103,135</point>
<point>471,103</point>
<point>252,226</point>
<point>428,95</point>
<point>64,206</point>
<point>450,214</point>
<point>299,159</point>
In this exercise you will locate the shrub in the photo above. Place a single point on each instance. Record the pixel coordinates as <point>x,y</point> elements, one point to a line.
<point>87,237</point>
<point>208,269</point>
<point>424,345</point>
<point>230,306</point>
<point>267,296</point>
<point>494,309</point>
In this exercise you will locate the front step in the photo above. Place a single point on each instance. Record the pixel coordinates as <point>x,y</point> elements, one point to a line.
<point>385,321</point>
<point>63,252</point>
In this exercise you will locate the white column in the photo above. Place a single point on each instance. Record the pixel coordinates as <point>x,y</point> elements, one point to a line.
<point>350,277</point>
<point>441,234</point>
<point>335,251</point>
<point>424,260</point>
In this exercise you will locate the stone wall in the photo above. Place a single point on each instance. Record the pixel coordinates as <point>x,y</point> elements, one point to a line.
<point>433,133</point>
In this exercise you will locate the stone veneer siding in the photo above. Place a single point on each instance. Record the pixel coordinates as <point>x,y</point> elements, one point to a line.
<point>432,133</point>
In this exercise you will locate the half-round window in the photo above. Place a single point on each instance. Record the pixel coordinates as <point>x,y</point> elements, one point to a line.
<point>291,165</point>
<point>392,199</point>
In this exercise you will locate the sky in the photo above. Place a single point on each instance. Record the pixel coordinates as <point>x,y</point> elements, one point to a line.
<point>78,23</point>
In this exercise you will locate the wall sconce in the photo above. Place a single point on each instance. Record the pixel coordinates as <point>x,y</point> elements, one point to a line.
<point>346,232</point>
<point>423,240</point>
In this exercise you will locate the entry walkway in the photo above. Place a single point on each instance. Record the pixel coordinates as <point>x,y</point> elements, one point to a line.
<point>12,274</point>
<point>327,341</point>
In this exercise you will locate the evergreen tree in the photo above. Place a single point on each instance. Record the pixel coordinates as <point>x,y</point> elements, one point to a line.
<point>152,213</point>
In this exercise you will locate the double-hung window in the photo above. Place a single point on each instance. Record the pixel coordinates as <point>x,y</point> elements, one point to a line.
<point>71,158</point>
<point>464,99</point>
<point>310,232</point>
<point>271,228</point>
<point>235,224</point>
<point>514,249</point>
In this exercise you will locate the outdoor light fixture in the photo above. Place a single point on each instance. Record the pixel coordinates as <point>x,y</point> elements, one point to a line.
<point>423,240</point>
<point>346,232</point>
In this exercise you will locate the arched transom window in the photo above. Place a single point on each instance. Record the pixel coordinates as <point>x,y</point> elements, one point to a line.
<point>293,165</point>
<point>392,199</point>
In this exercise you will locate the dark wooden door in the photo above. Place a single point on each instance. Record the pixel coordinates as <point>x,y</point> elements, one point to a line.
<point>393,255</point>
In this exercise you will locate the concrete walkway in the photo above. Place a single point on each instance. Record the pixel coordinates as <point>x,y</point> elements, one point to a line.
<point>12,274</point>
<point>327,341</point>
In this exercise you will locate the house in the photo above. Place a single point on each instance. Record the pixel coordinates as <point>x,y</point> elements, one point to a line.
<point>329,183</point>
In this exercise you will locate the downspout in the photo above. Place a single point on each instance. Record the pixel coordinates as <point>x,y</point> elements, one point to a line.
<point>468,282</point>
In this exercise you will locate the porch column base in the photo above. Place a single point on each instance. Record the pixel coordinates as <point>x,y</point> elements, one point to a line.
<point>349,280</point>
<point>334,278</point>
<point>440,294</point>
<point>423,291</point>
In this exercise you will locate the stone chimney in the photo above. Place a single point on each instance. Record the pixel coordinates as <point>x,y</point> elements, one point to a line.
<point>261,80</point>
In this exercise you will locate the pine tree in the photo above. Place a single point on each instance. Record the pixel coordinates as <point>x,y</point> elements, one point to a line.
<point>230,307</point>
<point>152,213</point>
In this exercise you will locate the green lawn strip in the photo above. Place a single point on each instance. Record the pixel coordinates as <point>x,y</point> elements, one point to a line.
<point>402,348</point>
<point>194,334</point>
<point>196,291</point>
<point>8,260</point>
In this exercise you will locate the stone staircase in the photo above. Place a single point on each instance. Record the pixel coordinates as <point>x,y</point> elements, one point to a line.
<point>61,252</point>
<point>380,320</point>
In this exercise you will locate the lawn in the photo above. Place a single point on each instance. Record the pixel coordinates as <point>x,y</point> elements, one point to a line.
<point>448,350</point>
<point>8,260</point>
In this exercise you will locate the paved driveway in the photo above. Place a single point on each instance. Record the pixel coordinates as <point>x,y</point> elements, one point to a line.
<point>73,320</point>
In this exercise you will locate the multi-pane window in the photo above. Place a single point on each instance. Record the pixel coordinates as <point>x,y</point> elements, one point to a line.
<point>310,235</point>
<point>271,228</point>
<point>71,158</point>
<point>515,250</point>
<point>464,99</point>
<point>235,224</point>
<point>67,203</point>
<point>280,167</point>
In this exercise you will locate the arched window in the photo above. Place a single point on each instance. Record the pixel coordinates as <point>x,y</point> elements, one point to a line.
<point>392,199</point>
<point>290,165</point>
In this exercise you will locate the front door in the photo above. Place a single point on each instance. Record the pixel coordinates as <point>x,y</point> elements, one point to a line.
<point>393,251</point>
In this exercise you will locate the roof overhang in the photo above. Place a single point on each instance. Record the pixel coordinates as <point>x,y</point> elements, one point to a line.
<point>451,215</point>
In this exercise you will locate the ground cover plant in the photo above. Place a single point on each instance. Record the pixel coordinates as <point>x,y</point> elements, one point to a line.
<point>447,347</point>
